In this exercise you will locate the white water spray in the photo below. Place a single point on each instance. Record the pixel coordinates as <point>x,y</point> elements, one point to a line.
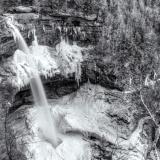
<point>46,126</point>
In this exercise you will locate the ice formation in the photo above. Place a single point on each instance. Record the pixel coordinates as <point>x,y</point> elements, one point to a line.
<point>65,59</point>
<point>70,55</point>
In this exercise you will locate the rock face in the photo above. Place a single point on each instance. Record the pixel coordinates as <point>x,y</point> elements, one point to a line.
<point>122,41</point>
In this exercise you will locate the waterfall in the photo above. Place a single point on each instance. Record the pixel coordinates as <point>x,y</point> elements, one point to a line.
<point>36,83</point>
<point>46,126</point>
<point>38,92</point>
<point>18,37</point>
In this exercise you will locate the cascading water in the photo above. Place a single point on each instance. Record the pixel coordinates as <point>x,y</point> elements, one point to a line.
<point>46,126</point>
<point>18,37</point>
<point>35,82</point>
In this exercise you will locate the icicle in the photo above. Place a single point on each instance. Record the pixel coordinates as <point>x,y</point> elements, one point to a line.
<point>60,29</point>
<point>130,81</point>
<point>88,83</point>
<point>75,31</point>
<point>35,42</point>
<point>29,33</point>
<point>44,29</point>
<point>78,73</point>
<point>155,75</point>
<point>83,34</point>
<point>95,67</point>
<point>79,30</point>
